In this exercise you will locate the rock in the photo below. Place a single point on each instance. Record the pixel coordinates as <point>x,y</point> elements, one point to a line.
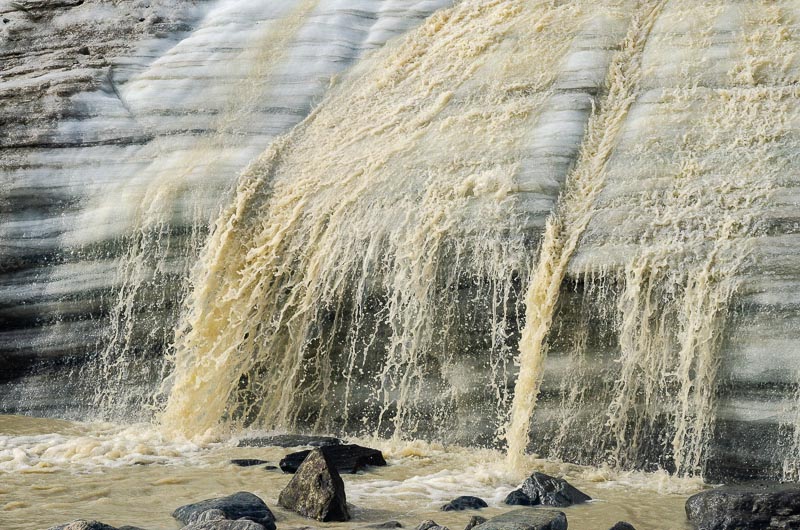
<point>82,524</point>
<point>316,490</point>
<point>240,505</point>
<point>752,507</point>
<point>289,440</point>
<point>224,524</point>
<point>474,521</point>
<point>248,462</point>
<point>387,524</point>
<point>346,458</point>
<point>430,525</point>
<point>622,525</point>
<point>546,490</point>
<point>465,502</point>
<point>526,519</point>
<point>517,498</point>
<point>271,468</point>
<point>214,514</point>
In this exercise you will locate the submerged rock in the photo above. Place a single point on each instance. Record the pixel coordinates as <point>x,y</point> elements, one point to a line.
<point>547,491</point>
<point>316,490</point>
<point>240,505</point>
<point>289,440</point>
<point>248,462</point>
<point>387,524</point>
<point>474,521</point>
<point>82,524</point>
<point>526,519</point>
<point>465,502</point>
<point>346,458</point>
<point>622,525</point>
<point>752,507</point>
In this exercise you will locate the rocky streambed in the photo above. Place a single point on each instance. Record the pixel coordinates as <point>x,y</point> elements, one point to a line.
<point>55,473</point>
<point>317,492</point>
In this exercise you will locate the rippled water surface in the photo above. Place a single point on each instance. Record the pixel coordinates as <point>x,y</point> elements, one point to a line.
<point>53,471</point>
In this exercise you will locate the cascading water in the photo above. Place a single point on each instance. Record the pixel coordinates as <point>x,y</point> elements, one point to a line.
<point>567,225</point>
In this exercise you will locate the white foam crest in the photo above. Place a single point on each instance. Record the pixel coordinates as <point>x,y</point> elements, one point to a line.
<point>94,447</point>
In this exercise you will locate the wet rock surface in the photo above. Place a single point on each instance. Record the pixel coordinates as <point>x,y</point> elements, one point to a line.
<point>224,524</point>
<point>464,502</point>
<point>289,440</point>
<point>208,515</point>
<point>248,462</point>
<point>316,491</point>
<point>622,525</point>
<point>430,525</point>
<point>346,458</point>
<point>751,507</point>
<point>240,505</point>
<point>82,524</point>
<point>541,489</point>
<point>387,524</point>
<point>474,521</point>
<point>526,519</point>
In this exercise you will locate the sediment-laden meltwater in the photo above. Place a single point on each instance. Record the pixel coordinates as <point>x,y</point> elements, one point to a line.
<point>367,274</point>
<point>678,232</point>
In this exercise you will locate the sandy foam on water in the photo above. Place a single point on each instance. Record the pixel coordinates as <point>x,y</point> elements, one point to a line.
<point>85,447</point>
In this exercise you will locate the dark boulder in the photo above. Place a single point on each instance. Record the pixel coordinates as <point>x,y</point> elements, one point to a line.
<point>316,490</point>
<point>474,521</point>
<point>752,507</point>
<point>387,524</point>
<point>526,519</point>
<point>517,498</point>
<point>346,458</point>
<point>541,489</point>
<point>289,440</point>
<point>464,502</point>
<point>622,525</point>
<point>241,505</point>
<point>248,462</point>
<point>82,524</point>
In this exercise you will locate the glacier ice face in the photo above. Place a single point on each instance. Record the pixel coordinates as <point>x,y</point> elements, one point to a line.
<point>126,125</point>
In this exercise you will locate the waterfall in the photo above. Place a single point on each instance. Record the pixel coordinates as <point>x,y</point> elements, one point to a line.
<point>565,228</point>
<point>165,241</point>
<point>676,263</point>
<point>358,245</point>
